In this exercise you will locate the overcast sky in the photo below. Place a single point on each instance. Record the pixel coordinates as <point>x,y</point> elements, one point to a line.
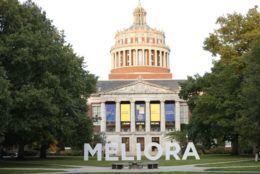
<point>90,27</point>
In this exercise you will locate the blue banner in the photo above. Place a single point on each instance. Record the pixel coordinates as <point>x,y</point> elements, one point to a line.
<point>140,112</point>
<point>169,112</point>
<point>110,112</point>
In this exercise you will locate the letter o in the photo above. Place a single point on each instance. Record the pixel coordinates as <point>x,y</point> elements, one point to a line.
<point>148,155</point>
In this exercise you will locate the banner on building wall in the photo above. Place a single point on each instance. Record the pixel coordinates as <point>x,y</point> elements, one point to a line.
<point>169,112</point>
<point>140,112</point>
<point>110,112</point>
<point>125,112</point>
<point>155,112</point>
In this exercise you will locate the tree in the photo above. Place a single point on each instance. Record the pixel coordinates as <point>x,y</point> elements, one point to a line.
<point>5,103</point>
<point>214,98</point>
<point>48,83</point>
<point>250,120</point>
<point>180,136</point>
<point>235,35</point>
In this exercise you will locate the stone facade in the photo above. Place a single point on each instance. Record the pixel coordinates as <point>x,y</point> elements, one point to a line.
<point>132,94</point>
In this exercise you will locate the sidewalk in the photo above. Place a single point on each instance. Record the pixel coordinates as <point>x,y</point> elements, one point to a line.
<point>93,169</point>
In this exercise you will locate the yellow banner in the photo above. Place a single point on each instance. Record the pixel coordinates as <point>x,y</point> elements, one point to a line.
<point>155,112</point>
<point>125,112</point>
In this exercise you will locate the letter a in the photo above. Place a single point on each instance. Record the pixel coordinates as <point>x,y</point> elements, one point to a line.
<point>190,151</point>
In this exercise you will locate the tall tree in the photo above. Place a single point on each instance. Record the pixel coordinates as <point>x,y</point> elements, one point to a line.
<point>235,35</point>
<point>5,103</point>
<point>48,83</point>
<point>215,97</point>
<point>250,120</point>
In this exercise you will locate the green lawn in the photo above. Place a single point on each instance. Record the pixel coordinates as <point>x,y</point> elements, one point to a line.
<point>28,164</point>
<point>170,173</point>
<point>13,171</point>
<point>242,163</point>
<point>236,169</point>
<point>64,162</point>
<point>78,161</point>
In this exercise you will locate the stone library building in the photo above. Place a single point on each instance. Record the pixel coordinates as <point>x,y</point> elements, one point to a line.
<point>140,102</point>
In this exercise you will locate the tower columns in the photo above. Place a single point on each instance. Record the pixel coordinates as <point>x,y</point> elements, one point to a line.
<point>150,57</point>
<point>123,55</point>
<point>130,57</point>
<point>140,52</point>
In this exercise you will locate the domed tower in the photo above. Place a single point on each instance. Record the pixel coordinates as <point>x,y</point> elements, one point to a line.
<point>140,51</point>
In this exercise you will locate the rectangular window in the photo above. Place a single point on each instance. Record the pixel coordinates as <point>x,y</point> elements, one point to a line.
<point>140,116</point>
<point>140,112</point>
<point>125,113</point>
<point>169,112</point>
<point>155,112</point>
<point>125,140</point>
<point>96,114</point>
<point>110,112</point>
<point>140,140</point>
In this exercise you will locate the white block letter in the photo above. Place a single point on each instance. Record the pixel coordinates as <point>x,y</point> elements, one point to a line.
<point>88,149</point>
<point>176,149</point>
<point>138,151</point>
<point>147,149</point>
<point>193,152</point>
<point>123,154</point>
<point>111,149</point>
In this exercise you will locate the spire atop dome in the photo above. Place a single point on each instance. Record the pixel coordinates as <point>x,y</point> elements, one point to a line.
<point>139,15</point>
<point>139,3</point>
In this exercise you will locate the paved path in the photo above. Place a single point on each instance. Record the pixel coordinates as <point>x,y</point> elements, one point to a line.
<point>92,169</point>
<point>183,168</point>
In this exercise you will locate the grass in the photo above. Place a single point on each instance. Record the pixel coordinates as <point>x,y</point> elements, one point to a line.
<point>170,173</point>
<point>78,161</point>
<point>14,171</point>
<point>235,169</point>
<point>41,171</point>
<point>242,163</point>
<point>72,161</point>
<point>28,164</point>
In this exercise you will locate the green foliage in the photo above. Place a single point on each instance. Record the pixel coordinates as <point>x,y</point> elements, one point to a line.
<point>179,136</point>
<point>215,98</point>
<point>191,90</point>
<point>235,34</point>
<point>250,96</point>
<point>5,102</point>
<point>48,83</point>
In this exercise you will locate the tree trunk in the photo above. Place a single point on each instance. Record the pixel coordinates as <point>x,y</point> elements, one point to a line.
<point>43,151</point>
<point>256,152</point>
<point>21,150</point>
<point>235,145</point>
<point>1,152</point>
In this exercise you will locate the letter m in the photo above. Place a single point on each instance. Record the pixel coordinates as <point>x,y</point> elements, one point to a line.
<point>88,150</point>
